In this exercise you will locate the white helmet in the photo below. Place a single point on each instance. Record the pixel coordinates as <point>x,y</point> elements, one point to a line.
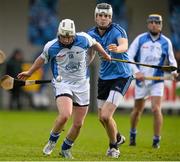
<point>103,8</point>
<point>154,17</point>
<point>66,28</point>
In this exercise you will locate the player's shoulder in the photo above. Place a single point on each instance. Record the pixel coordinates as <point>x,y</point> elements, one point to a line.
<point>142,35</point>
<point>91,30</point>
<point>141,39</point>
<point>51,43</point>
<point>82,34</point>
<point>165,38</point>
<point>117,27</point>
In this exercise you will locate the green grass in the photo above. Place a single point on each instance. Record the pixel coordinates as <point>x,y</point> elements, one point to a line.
<point>23,135</point>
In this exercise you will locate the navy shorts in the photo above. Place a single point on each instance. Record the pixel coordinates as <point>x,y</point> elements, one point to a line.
<point>105,86</point>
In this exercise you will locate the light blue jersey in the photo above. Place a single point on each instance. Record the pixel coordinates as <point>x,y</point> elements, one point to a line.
<point>148,50</point>
<point>112,70</point>
<point>69,61</point>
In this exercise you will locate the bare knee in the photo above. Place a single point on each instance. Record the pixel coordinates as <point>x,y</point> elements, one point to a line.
<point>62,119</point>
<point>104,118</point>
<point>77,125</point>
<point>138,107</point>
<point>137,112</point>
<point>156,110</point>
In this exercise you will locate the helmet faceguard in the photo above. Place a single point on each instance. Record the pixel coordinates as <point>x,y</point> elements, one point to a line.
<point>154,17</point>
<point>66,28</point>
<point>103,8</point>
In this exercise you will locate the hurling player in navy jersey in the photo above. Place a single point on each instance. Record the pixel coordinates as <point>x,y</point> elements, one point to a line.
<point>114,77</point>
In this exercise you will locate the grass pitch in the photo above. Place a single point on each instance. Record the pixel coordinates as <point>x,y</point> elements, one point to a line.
<point>23,135</point>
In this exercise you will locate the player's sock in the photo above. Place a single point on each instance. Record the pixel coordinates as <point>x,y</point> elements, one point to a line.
<point>156,139</point>
<point>120,139</point>
<point>133,133</point>
<point>54,137</point>
<point>67,144</point>
<point>113,145</point>
<point>118,136</point>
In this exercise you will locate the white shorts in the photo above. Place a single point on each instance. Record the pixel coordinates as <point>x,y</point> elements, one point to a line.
<point>114,97</point>
<point>149,90</point>
<point>78,91</point>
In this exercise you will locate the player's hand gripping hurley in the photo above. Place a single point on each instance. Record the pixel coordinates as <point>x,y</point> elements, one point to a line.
<point>7,82</point>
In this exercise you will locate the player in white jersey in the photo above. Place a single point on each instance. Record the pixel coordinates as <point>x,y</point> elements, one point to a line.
<point>67,55</point>
<point>154,48</point>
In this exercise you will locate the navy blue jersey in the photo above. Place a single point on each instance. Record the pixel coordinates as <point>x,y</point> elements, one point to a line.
<point>112,70</point>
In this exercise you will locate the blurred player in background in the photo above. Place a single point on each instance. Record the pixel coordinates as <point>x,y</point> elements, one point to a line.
<point>114,77</point>
<point>67,55</point>
<point>154,48</point>
<point>13,67</point>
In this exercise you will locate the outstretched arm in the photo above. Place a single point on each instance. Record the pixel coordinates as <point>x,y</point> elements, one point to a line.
<point>101,51</point>
<point>36,65</point>
<point>121,47</point>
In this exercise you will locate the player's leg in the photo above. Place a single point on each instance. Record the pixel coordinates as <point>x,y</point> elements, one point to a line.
<point>158,120</point>
<point>157,91</point>
<point>106,117</point>
<point>119,137</point>
<point>118,88</point>
<point>80,108</point>
<point>79,114</point>
<point>141,91</point>
<point>105,112</point>
<point>135,116</point>
<point>64,105</point>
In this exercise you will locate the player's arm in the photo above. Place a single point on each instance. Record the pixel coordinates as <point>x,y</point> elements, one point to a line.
<point>93,44</point>
<point>101,51</point>
<point>38,63</point>
<point>172,60</point>
<point>121,47</point>
<point>132,53</point>
<point>90,56</point>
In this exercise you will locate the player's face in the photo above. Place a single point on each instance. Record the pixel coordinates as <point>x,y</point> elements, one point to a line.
<point>66,40</point>
<point>103,20</point>
<point>154,27</point>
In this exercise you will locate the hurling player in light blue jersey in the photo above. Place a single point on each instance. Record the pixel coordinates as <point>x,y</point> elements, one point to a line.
<point>114,77</point>
<point>67,55</point>
<point>154,48</point>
